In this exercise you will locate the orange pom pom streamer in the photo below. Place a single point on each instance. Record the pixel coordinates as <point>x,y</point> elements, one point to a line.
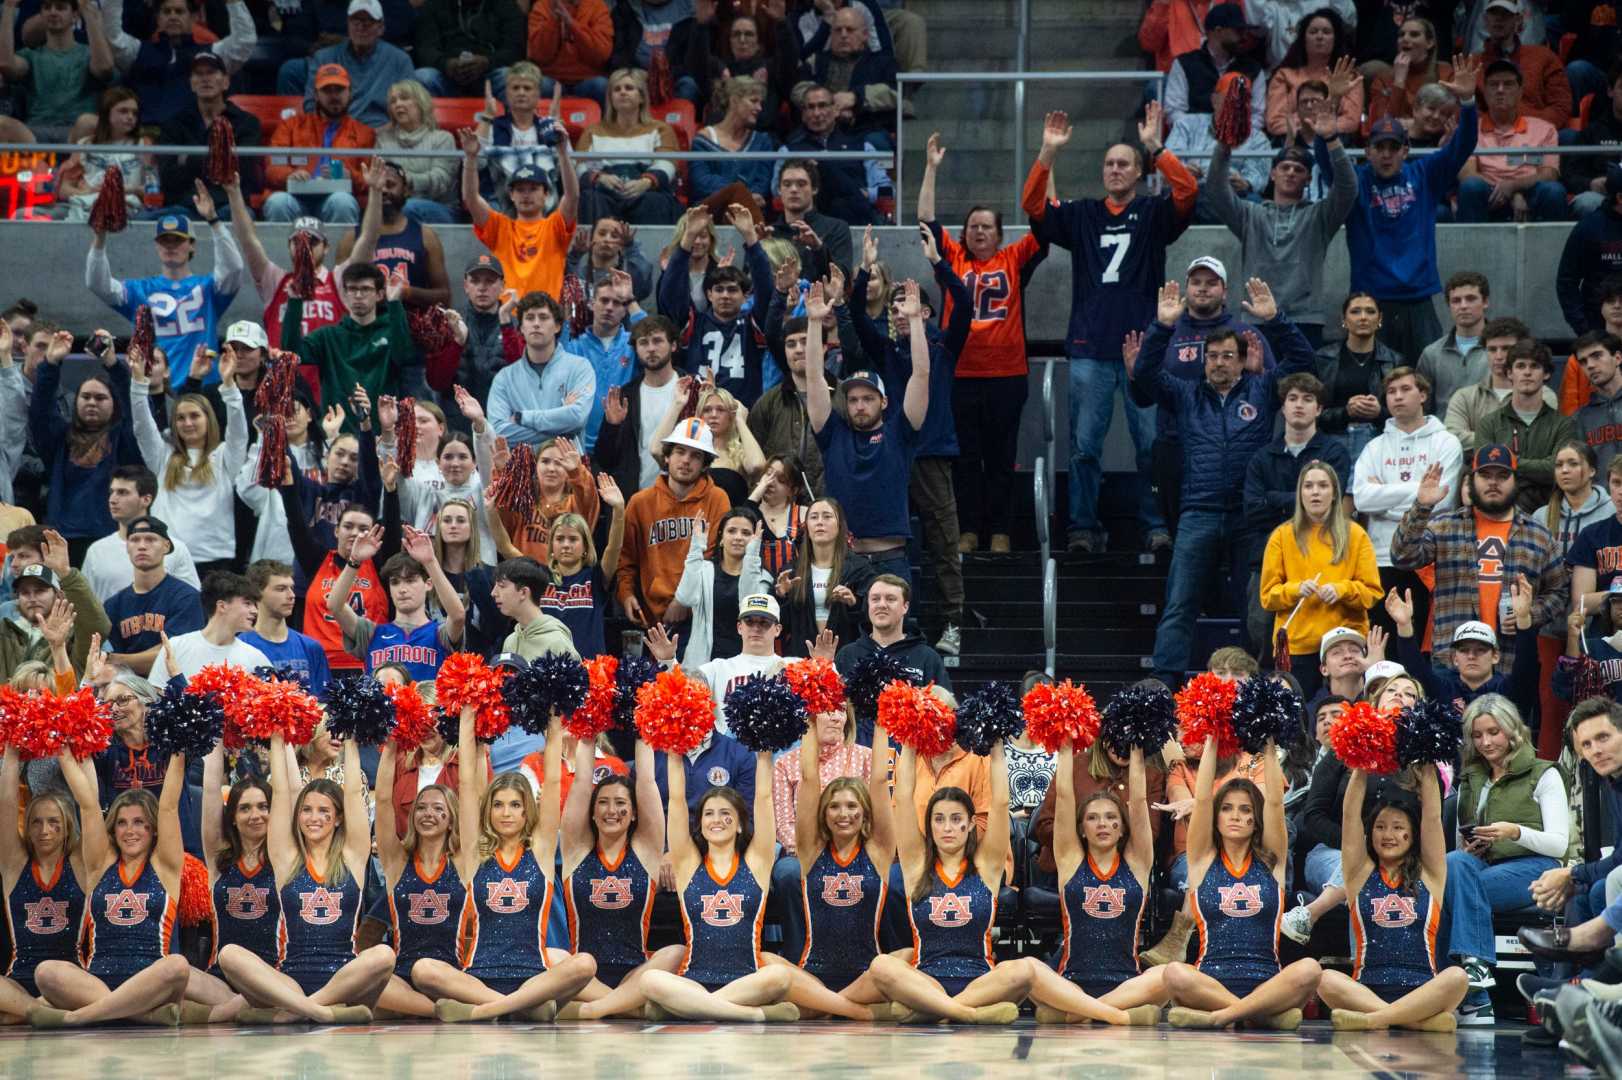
<point>196,898</point>
<point>110,213</point>
<point>674,712</point>
<point>221,164</point>
<point>1231,124</point>
<point>465,681</point>
<point>1056,712</point>
<point>915,717</point>
<point>516,488</point>
<point>1205,709</point>
<point>412,720</point>
<point>596,714</point>
<point>1365,738</point>
<point>818,683</point>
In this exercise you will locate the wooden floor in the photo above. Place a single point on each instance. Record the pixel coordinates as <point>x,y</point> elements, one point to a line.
<point>498,1052</point>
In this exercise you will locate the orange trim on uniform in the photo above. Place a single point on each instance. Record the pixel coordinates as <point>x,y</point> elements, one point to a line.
<point>1240,871</point>
<point>128,881</point>
<point>1433,924</point>
<point>833,853</point>
<point>416,863</point>
<point>602,857</point>
<point>496,855</point>
<point>709,868</point>
<point>1099,874</point>
<point>952,883</point>
<point>1359,937</point>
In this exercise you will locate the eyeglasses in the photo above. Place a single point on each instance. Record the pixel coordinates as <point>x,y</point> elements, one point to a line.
<point>359,290</point>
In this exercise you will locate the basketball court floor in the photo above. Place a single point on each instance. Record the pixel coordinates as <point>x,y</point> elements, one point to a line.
<point>725,1052</point>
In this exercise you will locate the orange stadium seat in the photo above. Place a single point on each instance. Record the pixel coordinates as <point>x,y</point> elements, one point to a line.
<point>578,115</point>
<point>270,109</point>
<point>680,115</point>
<point>454,114</point>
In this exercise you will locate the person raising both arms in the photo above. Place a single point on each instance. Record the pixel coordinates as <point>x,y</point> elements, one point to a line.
<point>44,875</point>
<point>242,886</point>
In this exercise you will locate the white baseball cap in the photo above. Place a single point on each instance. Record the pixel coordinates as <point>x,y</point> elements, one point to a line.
<point>1338,635</point>
<point>247,333</point>
<point>759,604</point>
<point>1384,669</point>
<point>370,7</point>
<point>1211,263</point>
<point>1475,631</point>
<point>694,434</point>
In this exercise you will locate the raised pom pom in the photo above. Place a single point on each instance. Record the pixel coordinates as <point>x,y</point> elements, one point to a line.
<point>1205,710</point>
<point>556,683</point>
<point>765,714</point>
<point>633,673</point>
<point>1429,731</point>
<point>236,691</point>
<point>412,720</point>
<point>286,709</point>
<point>986,716</point>
<point>1142,716</point>
<point>1365,738</point>
<point>463,681</point>
<point>85,724</point>
<point>359,708</point>
<point>110,213</point>
<point>817,682</point>
<point>915,717</point>
<point>674,712</point>
<point>182,723</point>
<point>1266,709</point>
<point>595,714</point>
<point>30,723</point>
<point>869,678</point>
<point>196,898</point>
<point>1055,712</point>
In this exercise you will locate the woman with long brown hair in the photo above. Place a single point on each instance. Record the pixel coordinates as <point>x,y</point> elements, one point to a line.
<point>41,870</point>
<point>825,587</point>
<point>118,121</point>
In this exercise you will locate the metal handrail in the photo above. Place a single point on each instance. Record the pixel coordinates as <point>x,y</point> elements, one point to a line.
<point>1050,615</point>
<point>1040,493</point>
<point>1049,425</point>
<point>172,150</point>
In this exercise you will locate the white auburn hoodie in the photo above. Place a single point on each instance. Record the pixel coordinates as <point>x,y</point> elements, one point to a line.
<point>1385,480</point>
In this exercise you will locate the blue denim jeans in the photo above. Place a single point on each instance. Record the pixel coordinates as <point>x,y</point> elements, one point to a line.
<point>1476,891</point>
<point>1587,78</point>
<point>786,889</point>
<point>1177,873</point>
<point>894,562</point>
<point>339,208</point>
<point>1323,868</point>
<point>429,212</point>
<point>439,84</point>
<point>1209,543</point>
<point>1546,200</point>
<point>595,88</point>
<point>1093,388</point>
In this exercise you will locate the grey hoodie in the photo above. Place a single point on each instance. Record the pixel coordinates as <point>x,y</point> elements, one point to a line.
<point>1385,479</point>
<point>1286,246</point>
<point>1597,507</point>
<point>542,637</point>
<point>1600,424</point>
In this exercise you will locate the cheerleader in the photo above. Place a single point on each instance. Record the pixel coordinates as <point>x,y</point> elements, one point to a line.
<point>1397,869</point>
<point>242,886</point>
<point>952,902</point>
<point>613,838</point>
<point>1104,854</point>
<point>319,846</point>
<point>508,856</point>
<point>719,874</point>
<point>1236,852</point>
<point>44,876</point>
<point>425,893</point>
<point>129,968</point>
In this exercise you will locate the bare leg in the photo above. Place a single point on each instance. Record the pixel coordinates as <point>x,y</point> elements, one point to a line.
<point>1289,989</point>
<point>811,995</point>
<point>627,998</point>
<point>1441,995</point>
<point>1055,991</point>
<point>738,1000</point>
<point>556,984</point>
<point>358,982</point>
<point>213,994</point>
<point>1331,898</point>
<point>1189,987</point>
<point>88,1000</point>
<point>361,981</point>
<point>14,1001</point>
<point>401,999</point>
<point>1148,988</point>
<point>900,982</point>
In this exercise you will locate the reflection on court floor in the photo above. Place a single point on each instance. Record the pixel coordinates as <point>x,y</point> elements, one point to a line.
<point>497,1052</point>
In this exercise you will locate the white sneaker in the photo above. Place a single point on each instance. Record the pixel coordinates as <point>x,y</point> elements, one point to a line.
<point>1297,925</point>
<point>951,642</point>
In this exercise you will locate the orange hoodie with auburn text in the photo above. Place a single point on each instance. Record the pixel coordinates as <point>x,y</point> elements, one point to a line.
<point>658,530</point>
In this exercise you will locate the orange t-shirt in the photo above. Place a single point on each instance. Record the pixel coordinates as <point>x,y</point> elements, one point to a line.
<point>531,252</point>
<point>996,344</point>
<point>1575,389</point>
<point>1492,551</point>
<point>368,597</point>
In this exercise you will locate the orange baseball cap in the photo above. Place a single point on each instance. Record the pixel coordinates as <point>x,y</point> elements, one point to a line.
<point>331,75</point>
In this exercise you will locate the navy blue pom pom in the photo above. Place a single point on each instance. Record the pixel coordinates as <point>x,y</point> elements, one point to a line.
<point>556,681</point>
<point>868,678</point>
<point>1141,716</point>
<point>1263,709</point>
<point>986,716</point>
<point>629,677</point>
<point>1429,731</point>
<point>182,723</point>
<point>765,714</point>
<point>358,708</point>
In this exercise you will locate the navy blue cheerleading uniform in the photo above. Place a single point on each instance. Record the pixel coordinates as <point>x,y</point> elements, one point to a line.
<point>1394,936</point>
<point>722,917</point>
<point>842,901</point>
<point>609,904</point>
<point>45,918</point>
<point>1102,915</point>
<point>247,912</point>
<point>425,915</point>
<point>131,924</point>
<point>1238,912</point>
<point>319,923</point>
<point>951,929</point>
<point>505,922</point>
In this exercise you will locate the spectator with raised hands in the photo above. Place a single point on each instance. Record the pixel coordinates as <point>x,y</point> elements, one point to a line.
<point>412,639</point>
<point>149,59</point>
<point>630,412</point>
<point>309,454</point>
<point>712,588</point>
<point>563,485</point>
<point>1321,52</point>
<point>738,459</point>
<point>572,39</point>
<point>703,253</point>
<point>62,73</point>
<point>727,343</point>
<point>370,346</point>
<point>606,247</point>
<point>581,596</point>
<point>606,343</point>
<point>42,577</point>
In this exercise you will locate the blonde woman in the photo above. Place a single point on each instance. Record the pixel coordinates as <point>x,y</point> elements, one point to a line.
<point>43,869</point>
<point>739,101</point>
<point>738,460</point>
<point>1318,569</point>
<point>196,469</point>
<point>700,258</point>
<point>580,596</point>
<point>638,188</point>
<point>412,126</point>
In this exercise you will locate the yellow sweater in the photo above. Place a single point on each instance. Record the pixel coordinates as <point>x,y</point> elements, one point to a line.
<point>1356,579</point>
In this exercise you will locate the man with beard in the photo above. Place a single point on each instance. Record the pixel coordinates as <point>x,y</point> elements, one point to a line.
<point>153,604</point>
<point>328,125</point>
<point>1531,424</point>
<point>1478,550</point>
<point>39,558</point>
<point>405,243</point>
<point>632,413</point>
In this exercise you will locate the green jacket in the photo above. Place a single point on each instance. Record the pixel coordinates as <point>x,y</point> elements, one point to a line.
<point>1509,799</point>
<point>348,353</point>
<point>1533,445</point>
<point>19,645</point>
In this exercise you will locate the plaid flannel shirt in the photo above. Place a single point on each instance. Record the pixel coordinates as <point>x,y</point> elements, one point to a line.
<point>1449,542</point>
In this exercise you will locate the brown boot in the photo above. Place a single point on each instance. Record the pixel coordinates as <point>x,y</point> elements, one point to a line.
<point>1172,947</point>
<point>967,542</point>
<point>1000,544</point>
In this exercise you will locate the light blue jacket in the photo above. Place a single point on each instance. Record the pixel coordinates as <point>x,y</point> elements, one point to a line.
<point>527,402</point>
<point>614,361</point>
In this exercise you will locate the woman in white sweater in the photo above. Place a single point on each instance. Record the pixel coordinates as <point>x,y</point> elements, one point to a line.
<point>639,188</point>
<point>711,589</point>
<point>196,469</point>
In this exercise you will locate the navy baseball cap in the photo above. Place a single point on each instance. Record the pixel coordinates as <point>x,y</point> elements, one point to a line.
<point>146,523</point>
<point>1225,17</point>
<point>527,174</point>
<point>862,378</point>
<point>486,262</point>
<point>1493,456</point>
<point>175,225</point>
<point>1388,129</point>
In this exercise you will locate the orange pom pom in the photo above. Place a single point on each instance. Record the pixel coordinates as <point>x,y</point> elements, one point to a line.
<point>674,712</point>
<point>465,681</point>
<point>1205,709</point>
<point>596,713</point>
<point>818,683</point>
<point>1056,712</point>
<point>915,717</point>
<point>412,720</point>
<point>1365,738</point>
<point>196,898</point>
